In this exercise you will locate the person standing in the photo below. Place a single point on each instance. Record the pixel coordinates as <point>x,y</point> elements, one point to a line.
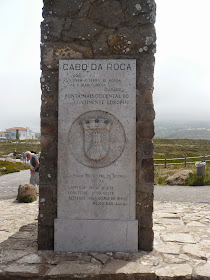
<point>24,157</point>
<point>14,154</point>
<point>28,155</point>
<point>34,170</point>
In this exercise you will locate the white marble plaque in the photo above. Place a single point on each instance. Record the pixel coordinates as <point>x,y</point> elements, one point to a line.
<point>96,156</point>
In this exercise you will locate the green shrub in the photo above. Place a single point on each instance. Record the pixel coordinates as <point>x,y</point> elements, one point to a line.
<point>195,180</point>
<point>26,199</point>
<point>162,180</point>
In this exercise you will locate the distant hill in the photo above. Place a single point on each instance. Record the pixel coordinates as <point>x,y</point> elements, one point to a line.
<point>185,130</point>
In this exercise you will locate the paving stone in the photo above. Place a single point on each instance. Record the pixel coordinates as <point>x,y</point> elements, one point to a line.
<point>168,221</point>
<point>30,259</point>
<point>169,215</point>
<point>194,224</point>
<point>151,259</point>
<point>103,258</point>
<point>178,237</point>
<point>169,247</point>
<point>67,256</point>
<point>12,255</point>
<point>29,270</point>
<point>174,270</point>
<point>175,254</point>
<point>194,250</point>
<point>203,272</point>
<point>175,259</point>
<point>123,267</point>
<point>75,268</point>
<point>176,228</point>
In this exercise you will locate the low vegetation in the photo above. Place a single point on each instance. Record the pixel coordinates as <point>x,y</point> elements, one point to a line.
<point>11,167</point>
<point>8,146</point>
<point>26,199</point>
<point>195,180</point>
<point>180,148</point>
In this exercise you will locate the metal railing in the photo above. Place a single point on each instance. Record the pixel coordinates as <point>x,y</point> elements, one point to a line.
<point>185,162</point>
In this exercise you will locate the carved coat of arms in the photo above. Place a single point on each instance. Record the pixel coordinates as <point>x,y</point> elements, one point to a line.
<point>96,138</point>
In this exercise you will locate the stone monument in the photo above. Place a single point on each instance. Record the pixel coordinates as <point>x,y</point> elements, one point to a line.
<point>96,174</point>
<point>96,156</point>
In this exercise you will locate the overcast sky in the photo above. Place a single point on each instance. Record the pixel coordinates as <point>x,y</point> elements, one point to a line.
<point>182,70</point>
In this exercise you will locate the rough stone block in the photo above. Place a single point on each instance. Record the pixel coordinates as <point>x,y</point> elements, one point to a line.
<point>49,79</point>
<point>146,237</point>
<point>48,175</point>
<point>49,159</point>
<point>147,171</point>
<point>148,98</point>
<point>129,41</point>
<point>145,201</point>
<point>140,12</point>
<point>145,79</point>
<point>145,188</point>
<point>145,130</point>
<point>46,237</point>
<point>48,144</point>
<point>107,13</point>
<point>46,217</point>
<point>85,9</point>
<point>148,148</point>
<point>145,219</point>
<point>48,198</point>
<point>146,113</point>
<point>82,28</point>
<point>139,104</point>
<point>51,54</point>
<point>51,29</point>
<point>61,8</point>
<point>49,111</point>
<point>100,46</point>
<point>48,127</point>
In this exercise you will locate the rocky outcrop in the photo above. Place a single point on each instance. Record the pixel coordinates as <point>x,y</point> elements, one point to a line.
<point>27,193</point>
<point>179,177</point>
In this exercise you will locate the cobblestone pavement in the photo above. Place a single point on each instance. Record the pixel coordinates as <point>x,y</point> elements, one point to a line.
<point>181,248</point>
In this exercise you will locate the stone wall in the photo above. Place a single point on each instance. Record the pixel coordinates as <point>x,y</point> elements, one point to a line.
<point>97,29</point>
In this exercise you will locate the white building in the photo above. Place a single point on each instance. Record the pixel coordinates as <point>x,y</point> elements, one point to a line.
<point>21,132</point>
<point>2,134</point>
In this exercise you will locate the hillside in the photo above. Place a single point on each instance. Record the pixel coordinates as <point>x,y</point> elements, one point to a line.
<point>179,148</point>
<point>182,130</point>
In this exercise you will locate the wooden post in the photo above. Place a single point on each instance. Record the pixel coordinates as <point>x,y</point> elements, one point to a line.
<point>185,162</point>
<point>165,162</point>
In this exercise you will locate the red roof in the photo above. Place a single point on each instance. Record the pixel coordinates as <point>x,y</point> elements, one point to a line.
<point>16,128</point>
<point>2,131</point>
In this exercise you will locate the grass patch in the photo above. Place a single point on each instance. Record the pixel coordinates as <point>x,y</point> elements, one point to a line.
<point>179,148</point>
<point>162,180</point>
<point>195,180</point>
<point>8,146</point>
<point>12,167</point>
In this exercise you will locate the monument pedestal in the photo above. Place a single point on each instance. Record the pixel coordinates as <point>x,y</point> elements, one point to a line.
<point>96,235</point>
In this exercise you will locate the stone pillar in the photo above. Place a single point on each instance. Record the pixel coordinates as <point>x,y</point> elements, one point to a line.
<point>97,29</point>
